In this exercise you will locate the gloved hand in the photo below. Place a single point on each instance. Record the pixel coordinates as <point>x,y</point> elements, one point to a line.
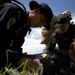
<point>28,64</point>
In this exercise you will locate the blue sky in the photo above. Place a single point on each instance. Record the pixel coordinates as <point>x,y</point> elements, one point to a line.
<point>57,5</point>
<point>32,42</point>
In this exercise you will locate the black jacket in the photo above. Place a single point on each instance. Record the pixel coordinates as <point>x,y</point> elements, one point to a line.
<point>12,32</point>
<point>64,40</point>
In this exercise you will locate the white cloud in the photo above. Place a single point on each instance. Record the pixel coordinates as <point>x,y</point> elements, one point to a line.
<point>73,19</point>
<point>32,42</point>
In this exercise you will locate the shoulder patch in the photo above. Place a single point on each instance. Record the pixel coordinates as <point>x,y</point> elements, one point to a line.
<point>10,22</point>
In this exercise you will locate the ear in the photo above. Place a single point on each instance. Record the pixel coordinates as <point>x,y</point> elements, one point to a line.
<point>37,10</point>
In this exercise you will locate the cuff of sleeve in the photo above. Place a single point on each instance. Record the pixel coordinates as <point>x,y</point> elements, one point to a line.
<point>13,56</point>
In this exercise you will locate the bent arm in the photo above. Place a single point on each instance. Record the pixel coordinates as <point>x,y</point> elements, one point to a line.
<point>52,43</point>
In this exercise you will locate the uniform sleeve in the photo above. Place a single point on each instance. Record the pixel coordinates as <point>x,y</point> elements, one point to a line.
<point>8,16</point>
<point>52,43</point>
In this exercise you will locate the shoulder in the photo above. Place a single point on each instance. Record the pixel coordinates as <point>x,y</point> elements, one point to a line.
<point>14,9</point>
<point>54,34</point>
<point>57,31</point>
<point>45,31</point>
<point>12,6</point>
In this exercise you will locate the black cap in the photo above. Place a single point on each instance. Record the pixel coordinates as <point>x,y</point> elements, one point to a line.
<point>61,19</point>
<point>46,10</point>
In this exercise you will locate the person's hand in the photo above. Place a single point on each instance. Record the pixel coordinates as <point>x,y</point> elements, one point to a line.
<point>72,51</point>
<point>28,64</point>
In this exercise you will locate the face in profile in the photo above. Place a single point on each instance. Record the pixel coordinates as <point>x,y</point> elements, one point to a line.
<point>64,27</point>
<point>38,20</point>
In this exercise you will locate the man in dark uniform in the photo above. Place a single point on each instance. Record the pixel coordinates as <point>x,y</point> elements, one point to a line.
<point>64,35</point>
<point>15,22</point>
